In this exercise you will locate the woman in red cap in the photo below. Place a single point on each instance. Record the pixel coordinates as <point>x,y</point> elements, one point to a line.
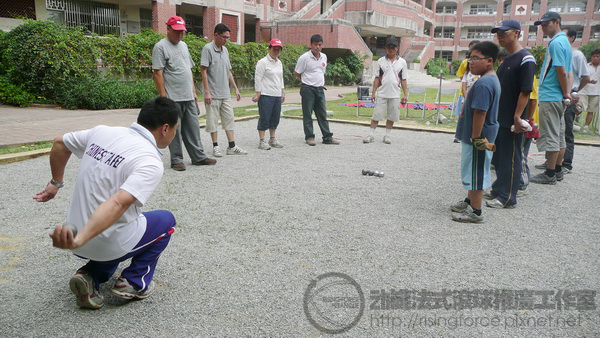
<point>268,83</point>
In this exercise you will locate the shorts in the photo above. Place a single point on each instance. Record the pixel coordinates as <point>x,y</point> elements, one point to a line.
<point>589,103</point>
<point>459,105</point>
<point>552,126</point>
<point>219,108</point>
<point>475,167</point>
<point>383,105</point>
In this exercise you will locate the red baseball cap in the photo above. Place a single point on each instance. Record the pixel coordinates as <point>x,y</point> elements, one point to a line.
<point>276,43</point>
<point>177,23</point>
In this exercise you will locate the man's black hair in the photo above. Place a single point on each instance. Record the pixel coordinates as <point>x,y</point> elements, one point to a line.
<point>571,33</point>
<point>488,49</point>
<point>316,38</point>
<point>503,52</point>
<point>596,51</point>
<point>472,43</point>
<point>158,111</point>
<point>221,28</point>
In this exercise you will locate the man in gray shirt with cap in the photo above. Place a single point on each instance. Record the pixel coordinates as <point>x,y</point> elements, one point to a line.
<point>172,68</point>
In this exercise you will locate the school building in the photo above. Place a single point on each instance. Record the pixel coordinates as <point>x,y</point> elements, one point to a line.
<point>425,28</point>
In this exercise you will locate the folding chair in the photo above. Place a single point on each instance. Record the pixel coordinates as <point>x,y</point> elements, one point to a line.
<point>363,96</point>
<point>416,90</point>
<point>445,91</point>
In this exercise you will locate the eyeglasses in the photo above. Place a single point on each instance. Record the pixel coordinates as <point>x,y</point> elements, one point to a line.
<point>224,37</point>
<point>502,33</point>
<point>475,58</point>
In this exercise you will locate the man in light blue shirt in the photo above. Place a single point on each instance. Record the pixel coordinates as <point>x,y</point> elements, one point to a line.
<point>554,92</point>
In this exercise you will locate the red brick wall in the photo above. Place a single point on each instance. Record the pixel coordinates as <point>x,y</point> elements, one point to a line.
<point>161,12</point>
<point>232,22</point>
<point>209,21</point>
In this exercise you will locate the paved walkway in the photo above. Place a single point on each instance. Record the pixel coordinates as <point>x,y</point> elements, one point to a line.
<point>36,124</point>
<point>25,125</point>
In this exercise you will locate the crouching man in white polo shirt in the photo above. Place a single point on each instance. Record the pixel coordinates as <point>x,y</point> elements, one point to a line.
<point>120,169</point>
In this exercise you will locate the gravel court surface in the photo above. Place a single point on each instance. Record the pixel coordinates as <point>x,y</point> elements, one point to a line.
<point>254,230</point>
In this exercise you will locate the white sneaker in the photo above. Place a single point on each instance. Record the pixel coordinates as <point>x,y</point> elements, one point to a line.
<point>368,139</point>
<point>217,151</point>
<point>236,151</point>
<point>262,145</point>
<point>273,142</point>
<point>585,129</point>
<point>387,139</point>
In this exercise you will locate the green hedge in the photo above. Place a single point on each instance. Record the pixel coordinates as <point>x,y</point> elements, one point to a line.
<point>43,61</point>
<point>433,67</point>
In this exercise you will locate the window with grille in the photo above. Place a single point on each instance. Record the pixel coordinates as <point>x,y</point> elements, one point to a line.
<point>577,6</point>
<point>480,33</point>
<point>17,9</point>
<point>482,9</point>
<point>533,35</point>
<point>535,7</point>
<point>99,18</point>
<point>448,33</point>
<point>445,54</point>
<point>556,7</point>
<point>450,9</point>
<point>193,24</point>
<point>145,18</point>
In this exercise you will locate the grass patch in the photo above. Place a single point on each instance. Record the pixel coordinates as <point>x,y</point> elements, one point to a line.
<point>342,112</point>
<point>24,147</point>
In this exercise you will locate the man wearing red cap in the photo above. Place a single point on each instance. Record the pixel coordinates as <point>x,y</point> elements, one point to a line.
<point>172,67</point>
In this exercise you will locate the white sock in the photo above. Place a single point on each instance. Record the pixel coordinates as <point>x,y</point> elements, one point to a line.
<point>387,131</point>
<point>372,132</point>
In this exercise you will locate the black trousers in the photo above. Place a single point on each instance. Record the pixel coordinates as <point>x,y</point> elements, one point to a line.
<point>508,162</point>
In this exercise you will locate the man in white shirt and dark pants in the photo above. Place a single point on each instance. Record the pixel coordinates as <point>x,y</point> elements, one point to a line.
<point>579,78</point>
<point>119,170</point>
<point>391,74</point>
<point>310,69</point>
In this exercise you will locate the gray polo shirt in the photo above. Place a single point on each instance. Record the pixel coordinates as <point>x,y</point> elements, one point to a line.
<point>176,63</point>
<point>218,68</point>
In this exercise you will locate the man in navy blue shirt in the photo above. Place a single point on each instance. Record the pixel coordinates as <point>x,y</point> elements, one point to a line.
<point>516,79</point>
<point>478,121</point>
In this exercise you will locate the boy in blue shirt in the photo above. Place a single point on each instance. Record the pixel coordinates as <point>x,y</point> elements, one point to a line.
<point>477,124</point>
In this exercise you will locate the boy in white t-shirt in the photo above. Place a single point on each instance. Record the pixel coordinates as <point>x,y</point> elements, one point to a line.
<point>391,74</point>
<point>120,169</point>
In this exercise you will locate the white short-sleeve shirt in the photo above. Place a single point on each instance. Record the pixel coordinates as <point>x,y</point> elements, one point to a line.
<point>591,89</point>
<point>390,75</point>
<point>312,69</point>
<point>113,158</point>
<point>268,77</point>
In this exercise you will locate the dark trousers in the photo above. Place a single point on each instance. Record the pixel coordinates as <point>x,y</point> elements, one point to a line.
<point>313,99</point>
<point>188,132</point>
<point>160,225</point>
<point>569,137</point>
<point>525,173</point>
<point>507,160</point>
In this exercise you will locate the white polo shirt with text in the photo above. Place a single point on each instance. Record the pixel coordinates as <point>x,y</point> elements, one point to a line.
<point>113,158</point>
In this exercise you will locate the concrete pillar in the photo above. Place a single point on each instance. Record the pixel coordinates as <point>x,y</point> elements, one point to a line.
<point>162,10</point>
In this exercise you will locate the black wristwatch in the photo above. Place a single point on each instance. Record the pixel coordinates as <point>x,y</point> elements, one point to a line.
<point>473,139</point>
<point>56,184</point>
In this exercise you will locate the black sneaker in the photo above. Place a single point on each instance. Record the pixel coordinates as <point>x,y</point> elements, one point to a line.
<point>560,175</point>
<point>543,179</point>
<point>331,141</point>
